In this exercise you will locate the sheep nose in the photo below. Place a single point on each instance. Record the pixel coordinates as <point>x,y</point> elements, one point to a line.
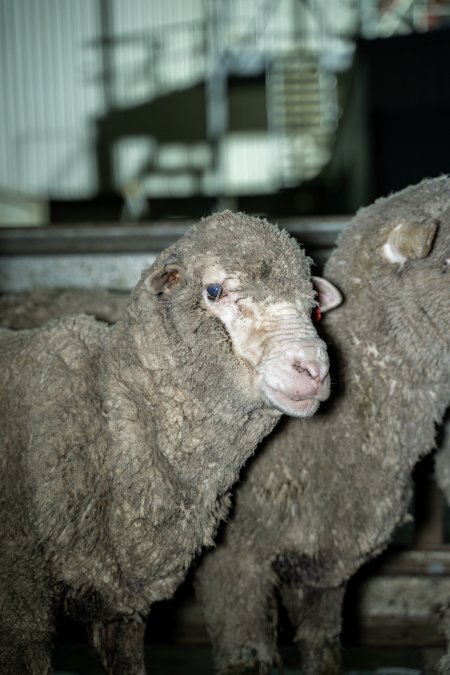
<point>317,370</point>
<point>296,379</point>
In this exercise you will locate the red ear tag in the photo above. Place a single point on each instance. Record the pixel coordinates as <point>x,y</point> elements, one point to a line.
<point>317,314</point>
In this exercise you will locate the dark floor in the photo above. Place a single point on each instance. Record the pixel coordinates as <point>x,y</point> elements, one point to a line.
<point>75,659</point>
<point>376,643</point>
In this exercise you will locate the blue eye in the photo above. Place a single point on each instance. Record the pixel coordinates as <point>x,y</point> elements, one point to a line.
<point>214,291</point>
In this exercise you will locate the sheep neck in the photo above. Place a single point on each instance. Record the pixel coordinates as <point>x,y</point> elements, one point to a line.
<point>405,367</point>
<point>187,416</point>
<point>375,444</point>
<point>174,456</point>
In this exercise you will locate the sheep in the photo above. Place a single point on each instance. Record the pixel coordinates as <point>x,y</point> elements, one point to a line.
<point>442,473</point>
<point>442,459</point>
<point>120,443</point>
<point>32,308</point>
<point>323,496</point>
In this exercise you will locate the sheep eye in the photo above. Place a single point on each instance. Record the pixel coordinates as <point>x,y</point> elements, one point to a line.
<point>214,291</point>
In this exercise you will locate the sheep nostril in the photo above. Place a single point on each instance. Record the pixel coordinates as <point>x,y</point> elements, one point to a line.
<point>313,369</point>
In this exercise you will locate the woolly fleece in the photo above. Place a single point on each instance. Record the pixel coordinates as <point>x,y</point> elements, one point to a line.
<point>119,445</point>
<point>324,495</point>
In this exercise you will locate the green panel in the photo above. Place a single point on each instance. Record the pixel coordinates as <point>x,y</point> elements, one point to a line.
<point>247,104</point>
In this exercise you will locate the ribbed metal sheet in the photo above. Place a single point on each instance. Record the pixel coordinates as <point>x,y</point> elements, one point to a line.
<point>48,96</point>
<point>66,63</point>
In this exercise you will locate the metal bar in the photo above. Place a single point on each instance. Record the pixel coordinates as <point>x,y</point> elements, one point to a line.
<point>137,238</point>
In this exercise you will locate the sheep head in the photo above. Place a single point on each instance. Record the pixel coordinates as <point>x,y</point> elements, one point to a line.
<point>398,249</point>
<point>241,285</point>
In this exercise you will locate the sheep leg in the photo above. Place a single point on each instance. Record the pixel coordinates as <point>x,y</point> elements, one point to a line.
<point>315,614</point>
<point>26,624</point>
<point>22,655</point>
<point>120,646</point>
<point>25,635</point>
<point>443,665</point>
<point>238,601</point>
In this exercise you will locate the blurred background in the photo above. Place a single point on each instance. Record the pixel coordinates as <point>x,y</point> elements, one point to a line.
<point>143,109</point>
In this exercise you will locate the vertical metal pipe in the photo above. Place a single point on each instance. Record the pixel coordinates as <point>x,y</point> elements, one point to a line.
<point>106,35</point>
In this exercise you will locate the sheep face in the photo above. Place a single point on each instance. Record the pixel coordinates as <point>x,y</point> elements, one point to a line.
<point>276,339</point>
<point>254,303</point>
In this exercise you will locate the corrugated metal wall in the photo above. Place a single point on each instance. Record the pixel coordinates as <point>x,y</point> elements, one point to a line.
<point>49,95</point>
<point>64,64</point>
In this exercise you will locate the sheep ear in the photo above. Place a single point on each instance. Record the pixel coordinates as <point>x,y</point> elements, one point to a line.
<point>409,241</point>
<point>328,295</point>
<point>166,279</point>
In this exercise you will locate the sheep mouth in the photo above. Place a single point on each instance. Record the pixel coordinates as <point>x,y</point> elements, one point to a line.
<point>294,406</point>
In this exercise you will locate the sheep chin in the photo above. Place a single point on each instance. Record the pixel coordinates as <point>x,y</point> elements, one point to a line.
<point>295,408</point>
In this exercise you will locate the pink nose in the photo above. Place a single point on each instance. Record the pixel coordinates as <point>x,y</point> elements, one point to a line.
<point>308,377</point>
<point>295,379</point>
<point>315,369</point>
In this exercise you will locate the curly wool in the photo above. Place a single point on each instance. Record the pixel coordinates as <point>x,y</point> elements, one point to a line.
<point>120,444</point>
<point>324,495</point>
